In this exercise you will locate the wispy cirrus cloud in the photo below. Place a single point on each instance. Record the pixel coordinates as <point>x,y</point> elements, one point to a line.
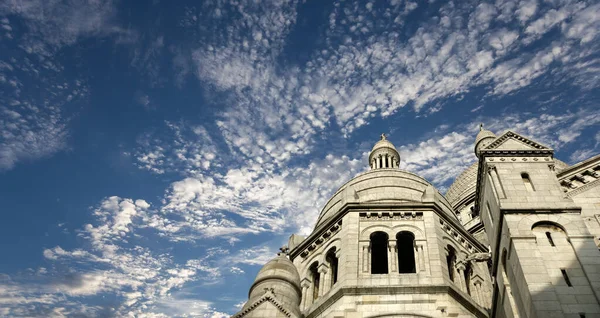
<point>118,262</point>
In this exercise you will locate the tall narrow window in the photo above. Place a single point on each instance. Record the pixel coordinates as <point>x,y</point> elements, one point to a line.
<point>504,264</point>
<point>527,182</point>
<point>333,265</point>
<point>379,253</point>
<point>451,261</point>
<point>468,272</point>
<point>566,277</point>
<point>405,241</point>
<point>550,240</point>
<point>316,279</point>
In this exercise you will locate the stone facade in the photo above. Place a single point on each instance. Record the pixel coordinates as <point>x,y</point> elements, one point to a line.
<point>516,235</point>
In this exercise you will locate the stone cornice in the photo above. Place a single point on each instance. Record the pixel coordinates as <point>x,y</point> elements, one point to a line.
<point>321,305</point>
<point>579,167</point>
<point>384,207</point>
<point>513,135</point>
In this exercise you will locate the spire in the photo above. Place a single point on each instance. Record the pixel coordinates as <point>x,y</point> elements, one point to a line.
<point>484,138</point>
<point>384,155</point>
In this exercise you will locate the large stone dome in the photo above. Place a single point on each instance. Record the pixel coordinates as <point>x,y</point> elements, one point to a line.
<point>381,186</point>
<point>464,186</point>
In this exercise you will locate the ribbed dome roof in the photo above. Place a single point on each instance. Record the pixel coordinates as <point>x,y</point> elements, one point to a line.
<point>379,186</point>
<point>384,143</point>
<point>463,186</point>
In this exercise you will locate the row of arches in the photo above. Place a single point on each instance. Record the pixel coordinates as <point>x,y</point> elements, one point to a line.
<point>405,247</point>
<point>321,277</point>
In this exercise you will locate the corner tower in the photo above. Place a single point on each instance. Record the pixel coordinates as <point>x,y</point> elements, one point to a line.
<point>545,261</point>
<point>388,244</point>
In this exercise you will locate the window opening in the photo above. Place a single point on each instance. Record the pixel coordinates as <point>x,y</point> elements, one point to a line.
<point>379,251</point>
<point>566,277</point>
<point>405,242</point>
<point>468,271</point>
<point>316,280</point>
<point>333,265</point>
<point>527,182</point>
<point>550,240</point>
<point>451,261</point>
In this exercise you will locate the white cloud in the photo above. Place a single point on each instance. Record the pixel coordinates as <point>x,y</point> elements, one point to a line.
<point>52,25</point>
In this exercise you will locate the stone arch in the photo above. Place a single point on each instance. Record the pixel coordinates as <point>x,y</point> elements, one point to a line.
<point>527,223</point>
<point>449,241</point>
<point>337,243</point>
<point>416,231</point>
<point>366,233</point>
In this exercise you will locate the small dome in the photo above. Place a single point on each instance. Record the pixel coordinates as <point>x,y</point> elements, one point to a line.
<point>384,155</point>
<point>384,143</point>
<point>281,276</point>
<point>484,138</point>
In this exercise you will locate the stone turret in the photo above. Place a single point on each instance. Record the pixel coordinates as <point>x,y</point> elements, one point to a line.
<point>384,155</point>
<point>484,138</point>
<point>275,292</point>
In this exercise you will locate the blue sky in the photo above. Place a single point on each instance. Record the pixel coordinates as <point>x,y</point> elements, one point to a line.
<point>153,155</point>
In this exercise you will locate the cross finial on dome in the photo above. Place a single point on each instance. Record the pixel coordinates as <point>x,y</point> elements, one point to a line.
<point>284,250</point>
<point>480,126</point>
<point>383,137</point>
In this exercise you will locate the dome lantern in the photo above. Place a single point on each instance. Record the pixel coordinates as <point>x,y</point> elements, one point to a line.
<point>384,155</point>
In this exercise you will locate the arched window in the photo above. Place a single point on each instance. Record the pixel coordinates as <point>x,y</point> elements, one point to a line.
<point>332,261</point>
<point>527,181</point>
<point>451,261</point>
<point>550,230</point>
<point>405,242</point>
<point>316,279</point>
<point>379,253</point>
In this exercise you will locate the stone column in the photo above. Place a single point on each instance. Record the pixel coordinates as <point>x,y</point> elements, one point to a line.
<point>392,256</point>
<point>306,297</point>
<point>420,256</point>
<point>477,293</point>
<point>365,256</point>
<point>323,278</point>
<point>460,278</point>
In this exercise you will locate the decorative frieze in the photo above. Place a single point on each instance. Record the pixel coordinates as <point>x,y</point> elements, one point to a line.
<point>321,239</point>
<point>576,183</point>
<point>388,216</point>
<point>456,235</point>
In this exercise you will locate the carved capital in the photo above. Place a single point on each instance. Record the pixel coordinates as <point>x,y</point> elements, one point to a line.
<point>305,283</point>
<point>323,268</point>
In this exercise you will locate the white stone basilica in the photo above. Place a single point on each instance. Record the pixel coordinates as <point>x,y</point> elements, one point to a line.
<point>516,235</point>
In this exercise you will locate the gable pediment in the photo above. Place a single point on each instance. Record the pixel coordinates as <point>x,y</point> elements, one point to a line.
<point>511,141</point>
<point>267,303</point>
